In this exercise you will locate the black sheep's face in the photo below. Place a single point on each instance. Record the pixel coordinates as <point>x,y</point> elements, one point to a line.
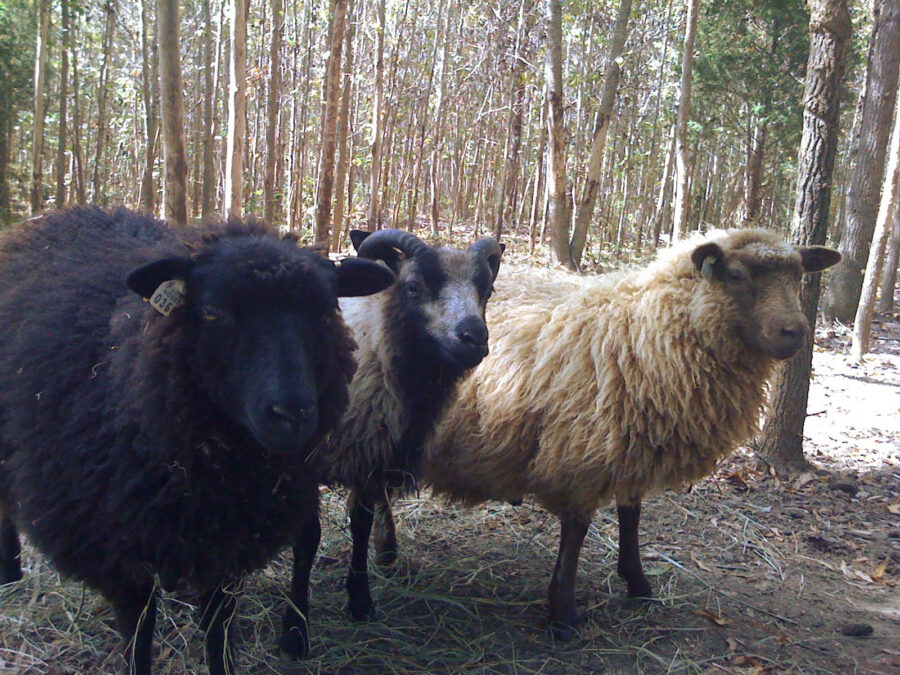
<point>261,314</point>
<point>448,289</point>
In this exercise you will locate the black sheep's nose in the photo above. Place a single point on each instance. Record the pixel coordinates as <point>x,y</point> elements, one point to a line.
<point>294,416</point>
<point>472,332</point>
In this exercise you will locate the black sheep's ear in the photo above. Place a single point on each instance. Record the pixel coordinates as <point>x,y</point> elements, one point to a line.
<point>145,280</point>
<point>491,251</point>
<point>818,258</point>
<point>358,276</point>
<point>357,237</point>
<point>708,259</point>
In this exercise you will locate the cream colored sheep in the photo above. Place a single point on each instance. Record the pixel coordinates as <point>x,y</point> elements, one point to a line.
<point>621,385</point>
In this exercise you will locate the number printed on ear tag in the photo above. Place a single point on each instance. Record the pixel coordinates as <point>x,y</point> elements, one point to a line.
<point>168,296</point>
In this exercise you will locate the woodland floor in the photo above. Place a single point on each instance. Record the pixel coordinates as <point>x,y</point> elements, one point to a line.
<point>751,574</point>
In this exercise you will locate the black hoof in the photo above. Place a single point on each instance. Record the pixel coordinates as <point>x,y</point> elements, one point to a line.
<point>363,611</point>
<point>640,589</point>
<point>294,644</point>
<point>562,631</point>
<point>8,576</point>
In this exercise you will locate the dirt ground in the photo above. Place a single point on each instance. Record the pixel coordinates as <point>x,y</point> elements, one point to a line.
<point>751,574</point>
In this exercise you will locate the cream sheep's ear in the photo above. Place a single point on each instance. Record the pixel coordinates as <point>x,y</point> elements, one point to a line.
<point>817,258</point>
<point>707,258</point>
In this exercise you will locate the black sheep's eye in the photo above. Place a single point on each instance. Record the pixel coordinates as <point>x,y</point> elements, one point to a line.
<point>414,288</point>
<point>736,275</point>
<point>211,315</point>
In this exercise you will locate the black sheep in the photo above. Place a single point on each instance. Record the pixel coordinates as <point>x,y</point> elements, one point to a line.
<point>140,448</point>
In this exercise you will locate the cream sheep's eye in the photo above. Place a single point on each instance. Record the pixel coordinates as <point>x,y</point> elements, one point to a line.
<point>414,288</point>
<point>211,314</point>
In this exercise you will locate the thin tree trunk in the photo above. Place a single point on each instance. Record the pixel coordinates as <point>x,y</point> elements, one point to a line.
<point>374,213</point>
<point>679,221</point>
<point>890,195</point>
<point>842,297</point>
<point>662,203</point>
<point>343,163</point>
<point>37,147</point>
<point>752,195</point>
<point>5,132</point>
<point>61,162</point>
<point>208,186</point>
<point>148,70</point>
<point>77,155</point>
<point>274,93</point>
<point>781,445</point>
<point>99,174</point>
<point>560,197</point>
<point>237,108</point>
<point>585,210</point>
<point>172,98</point>
<point>538,193</point>
<point>329,123</point>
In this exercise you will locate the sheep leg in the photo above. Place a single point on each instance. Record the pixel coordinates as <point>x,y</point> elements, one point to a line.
<point>563,614</point>
<point>294,641</point>
<point>385,533</point>
<point>361,606</point>
<point>10,564</point>
<point>629,567</point>
<point>136,616</point>
<point>218,614</point>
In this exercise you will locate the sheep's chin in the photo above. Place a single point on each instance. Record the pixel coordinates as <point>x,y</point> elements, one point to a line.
<point>462,357</point>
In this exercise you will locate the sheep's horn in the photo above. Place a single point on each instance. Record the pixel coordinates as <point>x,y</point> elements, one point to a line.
<point>387,245</point>
<point>491,250</point>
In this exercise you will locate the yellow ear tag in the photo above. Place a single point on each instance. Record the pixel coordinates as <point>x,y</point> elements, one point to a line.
<point>168,296</point>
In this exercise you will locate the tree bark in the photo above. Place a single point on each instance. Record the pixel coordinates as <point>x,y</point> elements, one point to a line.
<point>752,195</point>
<point>61,162</point>
<point>99,172</point>
<point>862,323</point>
<point>373,217</point>
<point>329,123</point>
<point>662,204</point>
<point>843,293</point>
<point>343,163</point>
<point>5,130</point>
<point>560,197</point>
<point>585,211</point>
<point>149,70</point>
<point>172,98</point>
<point>237,109</point>
<point>269,182</point>
<point>77,155</point>
<point>37,147</point>
<point>679,221</point>
<point>208,186</point>
<point>889,278</point>
<point>781,445</point>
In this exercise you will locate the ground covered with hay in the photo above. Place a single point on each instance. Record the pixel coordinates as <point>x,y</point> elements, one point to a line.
<point>751,574</point>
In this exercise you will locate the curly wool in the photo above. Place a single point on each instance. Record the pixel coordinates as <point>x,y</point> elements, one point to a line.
<point>614,386</point>
<point>148,477</point>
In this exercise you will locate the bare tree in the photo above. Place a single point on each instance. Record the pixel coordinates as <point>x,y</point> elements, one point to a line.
<point>172,97</point>
<point>560,197</point>
<point>862,324</point>
<point>781,445</point>
<point>99,173</point>
<point>61,163</point>
<point>208,187</point>
<point>842,297</point>
<point>889,277</point>
<point>343,162</point>
<point>585,210</point>
<point>374,213</point>
<point>329,123</point>
<point>274,93</point>
<point>682,179</point>
<point>237,108</point>
<point>37,147</point>
<point>149,67</point>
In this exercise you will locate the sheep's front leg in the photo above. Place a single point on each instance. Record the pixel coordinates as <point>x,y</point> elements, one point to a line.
<point>361,606</point>
<point>385,533</point>
<point>563,614</point>
<point>629,567</point>
<point>216,621</point>
<point>136,616</point>
<point>294,641</point>
<point>10,564</point>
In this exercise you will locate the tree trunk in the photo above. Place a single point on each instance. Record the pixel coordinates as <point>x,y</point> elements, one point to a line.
<point>150,80</point>
<point>329,123</point>
<point>538,193</point>
<point>343,163</point>
<point>37,147</point>
<point>77,155</point>
<point>752,195</point>
<point>374,213</point>
<point>889,278</point>
<point>99,173</point>
<point>679,220</point>
<point>662,203</point>
<point>269,181</point>
<point>237,108</point>
<point>208,186</point>
<point>781,444</point>
<point>172,98</point>
<point>6,119</point>
<point>61,162</point>
<point>560,197</point>
<point>862,324</point>
<point>842,297</point>
<point>585,210</point>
